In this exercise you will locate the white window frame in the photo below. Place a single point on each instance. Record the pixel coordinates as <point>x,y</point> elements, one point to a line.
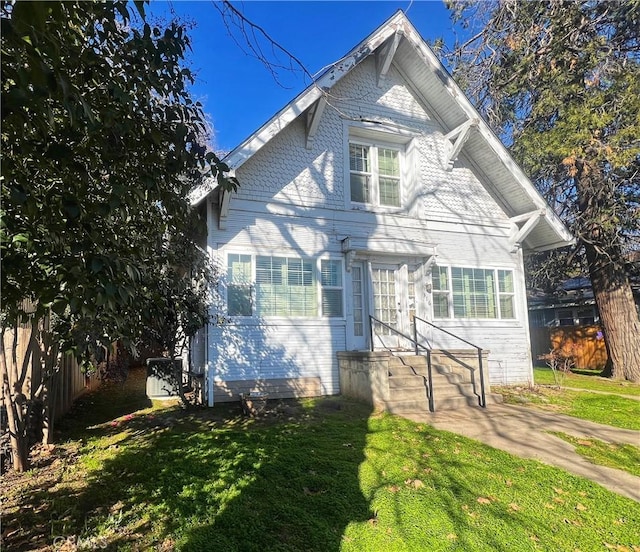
<point>250,286</point>
<point>322,287</point>
<point>317,272</point>
<point>496,293</point>
<point>374,172</point>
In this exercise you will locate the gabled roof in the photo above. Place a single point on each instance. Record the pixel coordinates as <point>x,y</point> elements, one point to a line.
<point>397,41</point>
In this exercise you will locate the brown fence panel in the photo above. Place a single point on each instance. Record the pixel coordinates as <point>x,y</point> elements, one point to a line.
<point>584,343</point>
<point>70,381</point>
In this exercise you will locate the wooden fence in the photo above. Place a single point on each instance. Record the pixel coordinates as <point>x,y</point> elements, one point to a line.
<point>67,384</point>
<point>584,343</point>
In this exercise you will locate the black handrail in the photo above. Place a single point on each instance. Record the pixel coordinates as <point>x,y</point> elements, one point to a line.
<point>483,400</point>
<point>417,346</point>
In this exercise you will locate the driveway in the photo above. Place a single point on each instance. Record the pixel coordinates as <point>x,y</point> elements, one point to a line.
<point>522,431</point>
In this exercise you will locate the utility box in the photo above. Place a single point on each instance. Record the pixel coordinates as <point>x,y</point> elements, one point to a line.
<point>163,377</point>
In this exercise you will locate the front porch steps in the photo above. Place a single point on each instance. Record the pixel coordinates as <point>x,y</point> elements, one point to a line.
<point>408,386</point>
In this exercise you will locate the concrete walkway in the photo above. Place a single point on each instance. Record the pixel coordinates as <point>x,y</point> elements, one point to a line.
<point>522,431</point>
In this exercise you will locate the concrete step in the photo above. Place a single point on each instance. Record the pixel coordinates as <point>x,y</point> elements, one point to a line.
<point>454,403</point>
<point>409,390</point>
<point>398,407</point>
<point>404,405</point>
<point>408,359</point>
<point>408,394</point>
<point>449,390</point>
<point>396,382</point>
<point>405,370</point>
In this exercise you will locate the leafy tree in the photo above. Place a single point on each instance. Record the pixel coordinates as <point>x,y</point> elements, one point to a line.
<point>560,81</point>
<point>178,300</point>
<point>101,143</point>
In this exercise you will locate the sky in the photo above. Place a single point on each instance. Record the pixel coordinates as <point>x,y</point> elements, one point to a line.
<point>238,92</point>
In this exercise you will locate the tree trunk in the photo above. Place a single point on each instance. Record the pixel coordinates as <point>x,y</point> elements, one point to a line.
<point>14,401</point>
<point>609,280</point>
<point>618,317</point>
<point>53,367</point>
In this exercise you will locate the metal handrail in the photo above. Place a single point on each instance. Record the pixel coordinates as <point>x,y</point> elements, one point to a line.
<point>483,399</point>
<point>417,346</point>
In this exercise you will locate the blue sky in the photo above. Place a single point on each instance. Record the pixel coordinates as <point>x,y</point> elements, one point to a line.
<point>238,92</point>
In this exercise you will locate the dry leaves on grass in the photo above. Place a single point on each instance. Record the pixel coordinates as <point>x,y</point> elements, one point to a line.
<point>621,547</point>
<point>415,483</point>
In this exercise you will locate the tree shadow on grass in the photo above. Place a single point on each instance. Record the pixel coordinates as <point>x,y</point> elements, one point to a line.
<point>300,485</point>
<point>210,479</point>
<point>108,402</point>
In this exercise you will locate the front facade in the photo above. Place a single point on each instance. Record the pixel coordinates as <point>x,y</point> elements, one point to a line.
<point>378,192</point>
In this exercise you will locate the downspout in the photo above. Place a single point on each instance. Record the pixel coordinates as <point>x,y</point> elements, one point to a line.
<point>207,368</point>
<point>208,377</point>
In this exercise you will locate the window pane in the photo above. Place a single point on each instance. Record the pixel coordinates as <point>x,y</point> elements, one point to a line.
<point>331,302</point>
<point>331,273</point>
<point>294,272</point>
<point>331,277</point>
<point>269,270</point>
<point>441,305</point>
<point>388,162</point>
<point>506,306</point>
<point>473,293</point>
<point>505,281</point>
<point>565,317</point>
<point>285,287</point>
<point>239,300</point>
<point>440,278</point>
<point>239,285</point>
<point>239,269</point>
<point>389,191</point>
<point>359,158</point>
<point>358,302</point>
<point>360,188</point>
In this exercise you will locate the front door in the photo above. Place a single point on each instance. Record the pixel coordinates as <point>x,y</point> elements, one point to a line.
<point>387,291</point>
<point>391,305</point>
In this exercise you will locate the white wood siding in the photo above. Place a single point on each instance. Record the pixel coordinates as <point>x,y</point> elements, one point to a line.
<point>293,201</point>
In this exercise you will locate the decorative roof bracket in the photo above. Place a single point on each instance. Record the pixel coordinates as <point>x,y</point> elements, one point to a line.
<point>224,203</point>
<point>385,56</point>
<point>313,120</point>
<point>456,139</point>
<point>530,220</point>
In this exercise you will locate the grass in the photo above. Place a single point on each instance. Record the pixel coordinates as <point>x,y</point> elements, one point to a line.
<point>322,475</point>
<point>620,456</point>
<point>604,409</point>
<point>583,379</point>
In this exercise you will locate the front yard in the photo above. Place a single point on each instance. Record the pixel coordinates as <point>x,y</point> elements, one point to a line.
<point>322,475</point>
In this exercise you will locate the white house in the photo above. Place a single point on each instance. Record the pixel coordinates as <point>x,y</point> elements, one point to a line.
<point>378,191</point>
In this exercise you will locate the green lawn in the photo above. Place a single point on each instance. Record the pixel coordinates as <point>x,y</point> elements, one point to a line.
<point>323,475</point>
<point>620,456</point>
<point>604,409</point>
<point>583,379</point>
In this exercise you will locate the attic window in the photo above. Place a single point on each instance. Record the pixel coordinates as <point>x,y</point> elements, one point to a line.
<point>374,174</point>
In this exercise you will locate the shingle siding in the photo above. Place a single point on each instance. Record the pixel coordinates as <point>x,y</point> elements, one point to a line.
<point>292,201</point>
